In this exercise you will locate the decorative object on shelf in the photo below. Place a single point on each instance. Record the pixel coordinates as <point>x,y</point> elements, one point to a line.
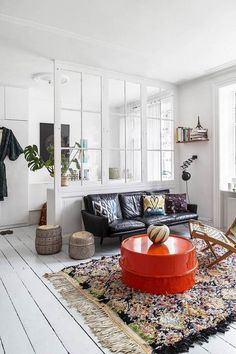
<point>199,133</point>
<point>81,245</point>
<point>114,173</point>
<point>68,157</point>
<point>158,233</point>
<point>187,135</point>
<point>48,239</point>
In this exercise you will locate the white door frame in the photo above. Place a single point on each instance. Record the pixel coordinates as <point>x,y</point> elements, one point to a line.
<point>217,198</point>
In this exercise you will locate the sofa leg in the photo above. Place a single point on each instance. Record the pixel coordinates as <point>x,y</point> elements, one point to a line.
<point>101,240</point>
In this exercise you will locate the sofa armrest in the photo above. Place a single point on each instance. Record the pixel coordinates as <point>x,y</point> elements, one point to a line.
<point>192,208</point>
<point>97,225</point>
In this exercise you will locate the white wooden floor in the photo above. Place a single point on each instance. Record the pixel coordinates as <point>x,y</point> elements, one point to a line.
<point>35,319</point>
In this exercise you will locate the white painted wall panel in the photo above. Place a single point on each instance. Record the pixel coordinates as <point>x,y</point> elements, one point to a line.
<point>2,104</point>
<point>231,210</point>
<point>17,103</point>
<point>71,216</point>
<point>14,209</point>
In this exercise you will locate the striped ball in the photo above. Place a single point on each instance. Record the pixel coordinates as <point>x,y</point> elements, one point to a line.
<point>158,233</point>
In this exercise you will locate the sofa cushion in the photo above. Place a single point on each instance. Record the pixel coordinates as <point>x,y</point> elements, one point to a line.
<point>155,219</point>
<point>131,204</point>
<point>154,204</point>
<point>103,208</point>
<point>110,199</point>
<point>185,216</point>
<point>121,225</point>
<point>175,203</point>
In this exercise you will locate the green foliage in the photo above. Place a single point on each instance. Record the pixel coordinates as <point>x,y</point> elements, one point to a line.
<point>35,162</point>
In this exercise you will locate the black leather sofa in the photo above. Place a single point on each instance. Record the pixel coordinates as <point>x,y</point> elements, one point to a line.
<point>129,212</point>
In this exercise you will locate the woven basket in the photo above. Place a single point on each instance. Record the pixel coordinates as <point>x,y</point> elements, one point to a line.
<point>48,239</point>
<point>81,245</point>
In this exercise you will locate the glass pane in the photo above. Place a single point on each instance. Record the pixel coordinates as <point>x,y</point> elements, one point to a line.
<point>91,93</point>
<point>116,96</point>
<point>133,101</point>
<point>116,131</point>
<point>153,133</point>
<point>133,132</point>
<point>153,165</point>
<point>153,102</point>
<point>167,135</point>
<point>167,108</point>
<point>71,90</point>
<point>91,166</point>
<point>167,165</point>
<point>71,120</point>
<point>116,165</point>
<point>133,166</point>
<point>91,130</point>
<point>71,163</point>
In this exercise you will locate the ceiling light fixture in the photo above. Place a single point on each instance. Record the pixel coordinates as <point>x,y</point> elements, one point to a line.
<point>48,78</point>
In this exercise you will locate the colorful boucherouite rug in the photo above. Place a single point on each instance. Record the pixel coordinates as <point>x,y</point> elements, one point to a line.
<point>128,321</point>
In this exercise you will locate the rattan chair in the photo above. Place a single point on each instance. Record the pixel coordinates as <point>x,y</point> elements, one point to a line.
<point>214,237</point>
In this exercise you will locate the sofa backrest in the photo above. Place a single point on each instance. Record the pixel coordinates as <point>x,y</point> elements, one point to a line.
<point>128,205</point>
<point>110,198</point>
<point>131,204</point>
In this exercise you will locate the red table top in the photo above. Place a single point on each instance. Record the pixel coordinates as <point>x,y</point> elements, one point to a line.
<point>174,245</point>
<point>167,268</point>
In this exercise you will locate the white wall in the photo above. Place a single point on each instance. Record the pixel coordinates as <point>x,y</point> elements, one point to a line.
<point>40,111</point>
<point>198,98</point>
<point>14,116</point>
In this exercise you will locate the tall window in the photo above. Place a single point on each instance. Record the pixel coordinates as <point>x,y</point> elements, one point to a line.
<point>124,131</point>
<point>227,134</point>
<point>81,115</point>
<point>160,149</point>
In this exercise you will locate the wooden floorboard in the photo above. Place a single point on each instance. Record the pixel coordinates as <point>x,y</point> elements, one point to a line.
<point>42,336</point>
<point>13,334</point>
<point>21,271</point>
<point>65,326</point>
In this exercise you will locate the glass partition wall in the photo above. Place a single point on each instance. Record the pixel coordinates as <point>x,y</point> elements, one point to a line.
<point>111,130</point>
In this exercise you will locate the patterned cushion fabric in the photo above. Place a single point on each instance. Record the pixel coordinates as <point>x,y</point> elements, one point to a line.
<point>154,204</point>
<point>175,203</point>
<point>102,208</point>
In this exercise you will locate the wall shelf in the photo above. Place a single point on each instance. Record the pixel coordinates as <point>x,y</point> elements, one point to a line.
<point>191,141</point>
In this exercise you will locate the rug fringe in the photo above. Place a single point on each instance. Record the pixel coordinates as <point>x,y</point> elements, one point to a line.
<point>118,339</point>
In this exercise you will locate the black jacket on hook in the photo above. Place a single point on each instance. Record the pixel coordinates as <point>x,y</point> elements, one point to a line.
<point>10,147</point>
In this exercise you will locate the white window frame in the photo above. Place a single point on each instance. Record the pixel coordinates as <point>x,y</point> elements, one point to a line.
<point>105,76</point>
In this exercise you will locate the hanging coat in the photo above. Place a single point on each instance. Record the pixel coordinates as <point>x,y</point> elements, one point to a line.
<point>10,147</point>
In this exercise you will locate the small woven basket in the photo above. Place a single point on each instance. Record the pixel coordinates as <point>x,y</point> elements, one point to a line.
<point>48,239</point>
<point>81,245</point>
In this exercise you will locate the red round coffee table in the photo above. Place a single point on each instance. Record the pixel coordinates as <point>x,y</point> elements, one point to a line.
<point>167,268</point>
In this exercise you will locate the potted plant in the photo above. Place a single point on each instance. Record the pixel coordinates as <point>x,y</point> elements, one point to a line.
<point>68,157</point>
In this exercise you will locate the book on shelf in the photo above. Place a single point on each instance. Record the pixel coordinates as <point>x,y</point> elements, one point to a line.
<point>183,134</point>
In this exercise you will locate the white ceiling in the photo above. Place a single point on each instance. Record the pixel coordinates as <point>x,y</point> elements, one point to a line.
<point>171,40</point>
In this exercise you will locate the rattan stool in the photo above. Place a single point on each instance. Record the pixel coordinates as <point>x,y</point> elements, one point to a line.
<point>48,239</point>
<point>81,245</point>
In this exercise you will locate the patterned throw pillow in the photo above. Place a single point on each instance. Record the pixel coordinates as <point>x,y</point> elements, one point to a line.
<point>175,203</point>
<point>101,208</point>
<point>154,204</point>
